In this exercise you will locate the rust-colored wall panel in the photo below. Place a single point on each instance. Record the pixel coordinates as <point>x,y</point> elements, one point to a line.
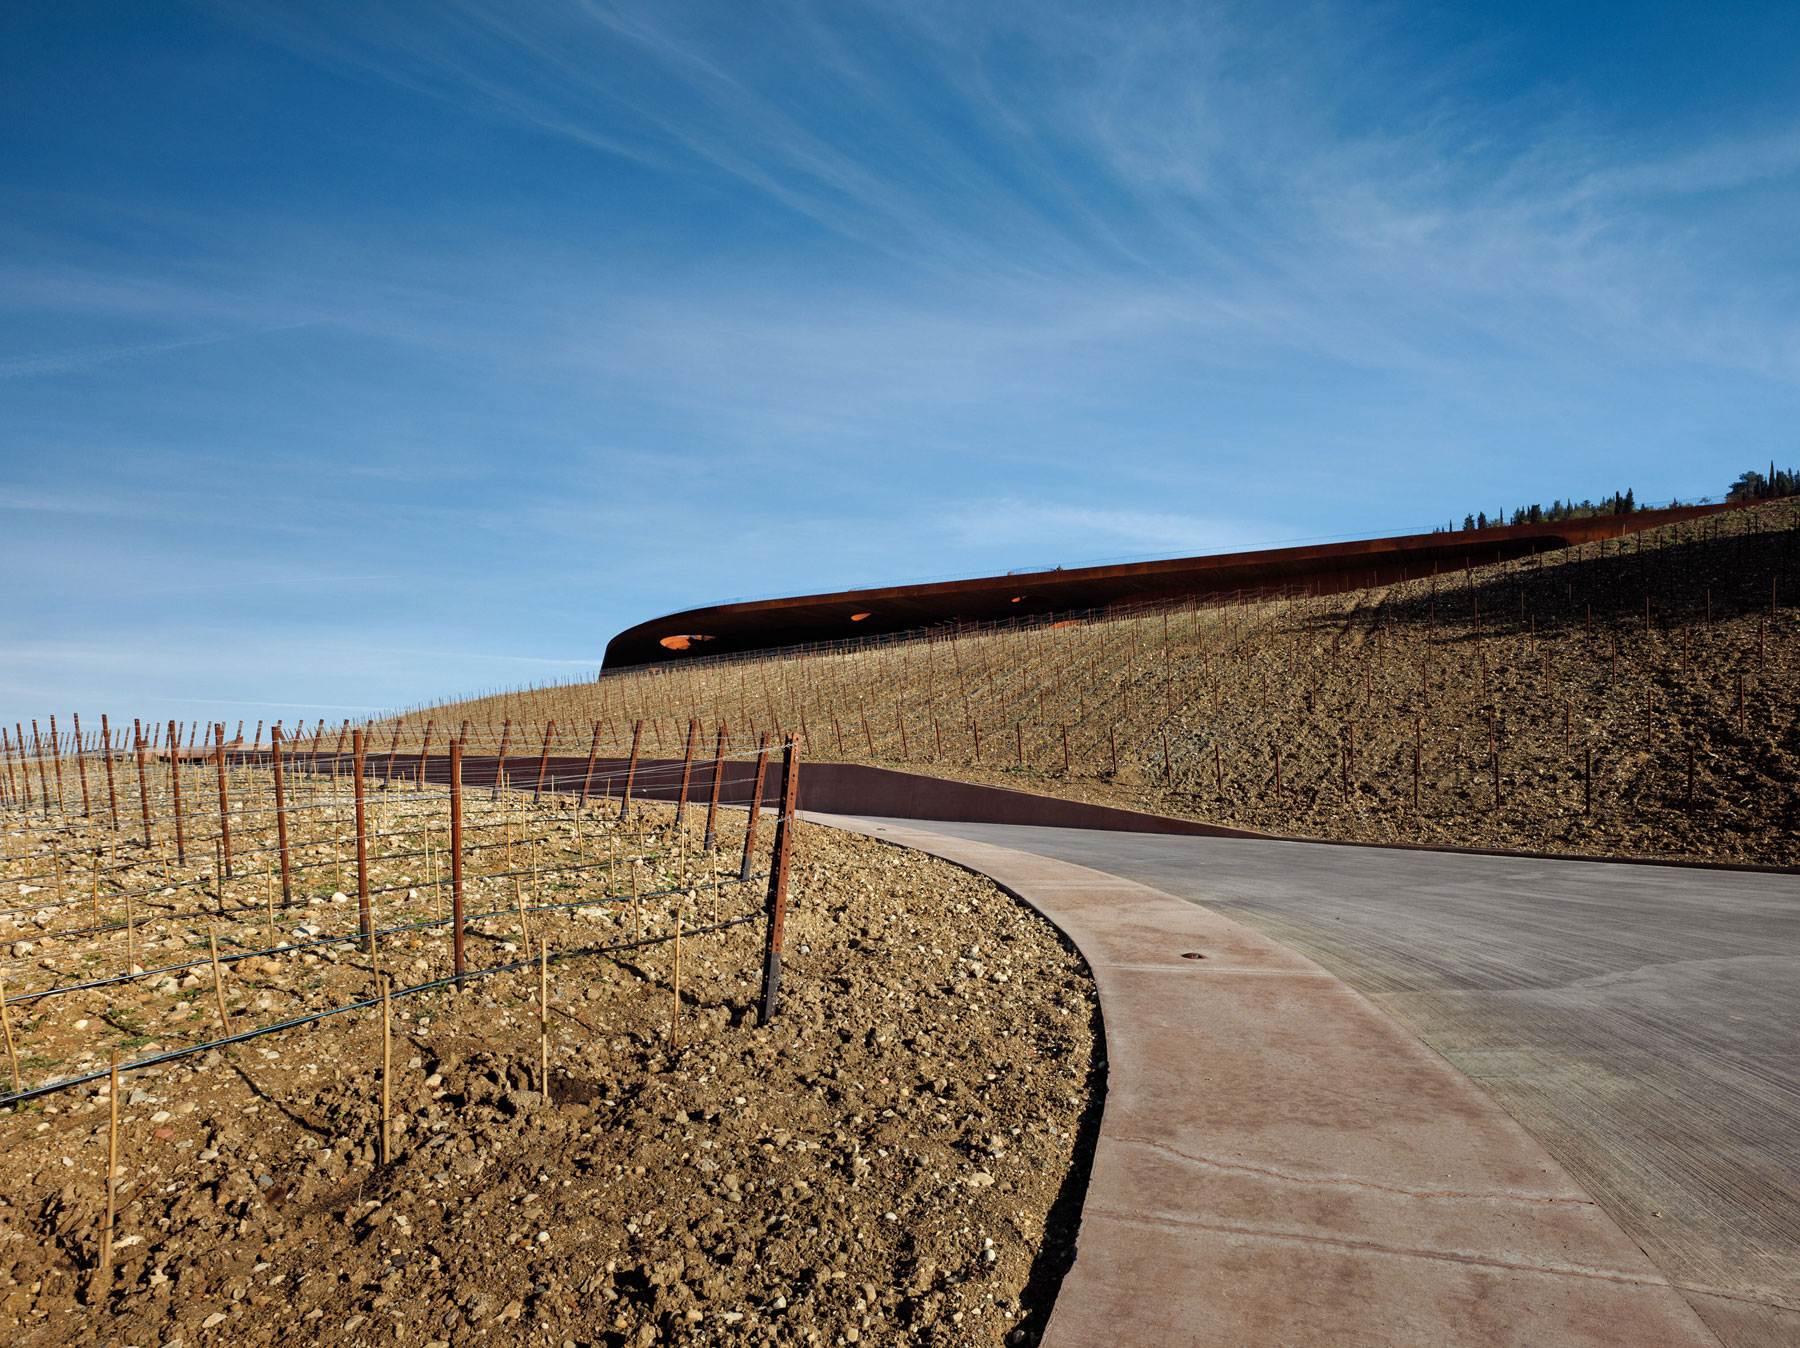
<point>1323,569</point>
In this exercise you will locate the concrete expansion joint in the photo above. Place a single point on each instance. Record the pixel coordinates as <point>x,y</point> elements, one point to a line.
<point>1769,1300</point>
<point>1374,1247</point>
<point>1212,970</point>
<point>1347,1182</point>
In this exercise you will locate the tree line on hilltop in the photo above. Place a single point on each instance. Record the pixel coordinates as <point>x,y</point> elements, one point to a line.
<point>1750,486</point>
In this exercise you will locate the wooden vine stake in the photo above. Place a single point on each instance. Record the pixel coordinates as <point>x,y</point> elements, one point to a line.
<point>112,1180</point>
<point>675,1003</point>
<point>524,931</point>
<point>12,1052</point>
<point>387,1066</point>
<point>212,945</point>
<point>544,1014</point>
<point>1418,757</point>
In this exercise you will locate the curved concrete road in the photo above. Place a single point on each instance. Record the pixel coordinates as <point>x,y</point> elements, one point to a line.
<point>1642,1022</point>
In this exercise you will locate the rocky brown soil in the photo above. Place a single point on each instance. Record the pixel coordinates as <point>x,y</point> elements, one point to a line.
<point>899,1157</point>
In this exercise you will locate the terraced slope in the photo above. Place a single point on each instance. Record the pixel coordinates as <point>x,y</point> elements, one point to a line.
<point>1630,697</point>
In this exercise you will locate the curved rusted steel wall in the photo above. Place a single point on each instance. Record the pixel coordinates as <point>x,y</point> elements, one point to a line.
<point>1324,569</point>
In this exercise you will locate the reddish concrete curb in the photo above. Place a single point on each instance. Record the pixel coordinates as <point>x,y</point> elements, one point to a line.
<point>1281,1164</point>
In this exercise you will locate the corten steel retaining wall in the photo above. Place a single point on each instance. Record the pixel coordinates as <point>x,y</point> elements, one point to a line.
<point>862,789</point>
<point>1328,568</point>
<point>829,788</point>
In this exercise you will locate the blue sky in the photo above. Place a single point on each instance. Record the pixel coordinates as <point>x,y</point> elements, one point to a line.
<point>357,354</point>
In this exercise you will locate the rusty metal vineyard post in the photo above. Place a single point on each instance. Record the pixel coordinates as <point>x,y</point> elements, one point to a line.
<point>543,761</point>
<point>112,794</point>
<point>637,735</point>
<point>587,780</point>
<point>175,782</point>
<point>81,767</point>
<point>137,734</point>
<point>393,753</point>
<point>712,800</point>
<point>224,801</point>
<point>37,751</point>
<point>425,753</point>
<point>755,814</point>
<point>364,919</point>
<point>456,856</point>
<point>281,823</point>
<point>778,879</point>
<point>56,756</point>
<point>687,771</point>
<point>500,765</point>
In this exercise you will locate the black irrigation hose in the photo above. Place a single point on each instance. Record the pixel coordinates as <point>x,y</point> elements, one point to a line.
<point>69,1082</point>
<point>115,979</point>
<point>292,808</point>
<point>246,852</point>
<point>663,773</point>
<point>258,908</point>
<point>300,866</point>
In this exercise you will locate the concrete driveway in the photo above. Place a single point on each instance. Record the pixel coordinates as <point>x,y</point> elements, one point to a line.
<point>1643,1022</point>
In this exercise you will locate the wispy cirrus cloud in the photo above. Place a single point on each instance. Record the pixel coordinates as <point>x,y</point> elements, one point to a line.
<point>86,358</point>
<point>1084,536</point>
<point>1194,175</point>
<point>570,312</point>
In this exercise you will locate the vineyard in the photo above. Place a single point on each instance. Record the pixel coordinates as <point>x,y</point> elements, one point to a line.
<point>470,1011</point>
<point>286,1029</point>
<point>1629,697</point>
